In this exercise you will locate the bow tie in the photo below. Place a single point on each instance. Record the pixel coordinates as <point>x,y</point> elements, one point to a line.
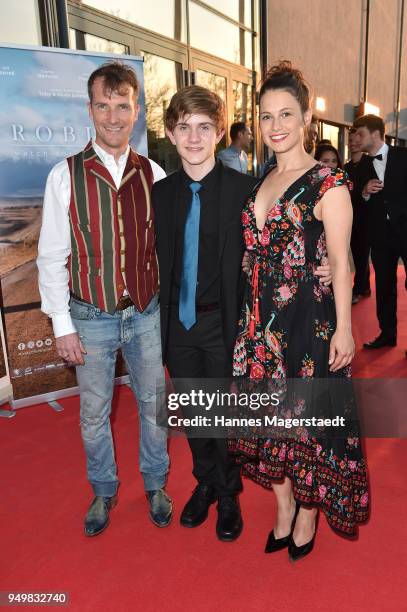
<point>380,156</point>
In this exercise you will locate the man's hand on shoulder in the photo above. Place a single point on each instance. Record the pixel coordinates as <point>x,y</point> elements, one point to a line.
<point>70,348</point>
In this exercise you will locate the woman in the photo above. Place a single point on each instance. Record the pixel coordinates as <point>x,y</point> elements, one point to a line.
<point>328,155</point>
<point>293,327</point>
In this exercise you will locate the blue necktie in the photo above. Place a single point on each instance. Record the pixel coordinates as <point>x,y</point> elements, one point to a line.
<point>187,309</point>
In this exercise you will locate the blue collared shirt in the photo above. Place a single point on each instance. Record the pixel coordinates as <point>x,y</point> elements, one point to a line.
<point>234,158</point>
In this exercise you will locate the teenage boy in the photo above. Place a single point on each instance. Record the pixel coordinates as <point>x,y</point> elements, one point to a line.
<point>200,249</point>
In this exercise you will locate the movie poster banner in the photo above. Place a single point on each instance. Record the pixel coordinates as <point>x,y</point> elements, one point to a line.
<point>43,119</point>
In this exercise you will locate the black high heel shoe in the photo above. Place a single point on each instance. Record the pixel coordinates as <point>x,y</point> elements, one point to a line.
<point>274,544</point>
<point>298,552</point>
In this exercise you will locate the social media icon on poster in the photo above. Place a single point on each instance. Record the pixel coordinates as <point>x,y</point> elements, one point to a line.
<point>48,342</point>
<point>21,346</point>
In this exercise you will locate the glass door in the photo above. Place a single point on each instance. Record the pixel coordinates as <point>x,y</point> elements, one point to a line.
<point>231,84</point>
<point>215,78</point>
<point>162,79</point>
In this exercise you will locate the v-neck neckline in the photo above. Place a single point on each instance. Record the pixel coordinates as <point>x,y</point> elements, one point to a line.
<point>278,200</point>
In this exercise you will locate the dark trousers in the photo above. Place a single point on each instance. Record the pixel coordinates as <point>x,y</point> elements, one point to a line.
<point>360,247</point>
<point>200,353</point>
<point>385,258</point>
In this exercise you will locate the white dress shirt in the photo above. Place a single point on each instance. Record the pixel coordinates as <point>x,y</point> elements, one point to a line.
<point>379,165</point>
<point>54,246</point>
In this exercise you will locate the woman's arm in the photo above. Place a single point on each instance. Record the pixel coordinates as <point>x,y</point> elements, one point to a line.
<point>335,210</point>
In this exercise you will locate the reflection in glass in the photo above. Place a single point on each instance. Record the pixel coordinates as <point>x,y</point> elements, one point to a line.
<point>101,45</point>
<point>216,83</point>
<point>243,110</point>
<point>212,81</point>
<point>162,78</point>
<point>162,16</point>
<point>242,102</point>
<point>88,42</point>
<point>213,34</point>
<point>330,132</point>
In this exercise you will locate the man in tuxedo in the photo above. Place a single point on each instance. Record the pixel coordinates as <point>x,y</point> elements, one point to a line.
<point>385,195</point>
<point>359,243</point>
<point>200,248</point>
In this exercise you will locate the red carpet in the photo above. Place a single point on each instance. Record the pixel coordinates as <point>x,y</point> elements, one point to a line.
<point>135,566</point>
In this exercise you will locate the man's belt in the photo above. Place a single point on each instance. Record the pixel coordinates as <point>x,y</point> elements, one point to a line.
<point>124,302</point>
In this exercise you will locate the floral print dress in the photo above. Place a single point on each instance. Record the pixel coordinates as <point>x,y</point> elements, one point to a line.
<point>287,321</point>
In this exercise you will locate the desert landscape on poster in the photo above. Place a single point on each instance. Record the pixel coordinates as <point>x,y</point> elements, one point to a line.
<point>44,119</point>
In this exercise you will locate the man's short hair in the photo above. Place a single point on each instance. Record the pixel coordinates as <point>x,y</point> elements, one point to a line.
<point>116,77</point>
<point>195,100</point>
<point>235,128</point>
<point>371,122</point>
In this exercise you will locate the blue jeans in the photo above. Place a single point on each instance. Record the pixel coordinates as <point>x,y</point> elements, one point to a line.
<point>137,334</point>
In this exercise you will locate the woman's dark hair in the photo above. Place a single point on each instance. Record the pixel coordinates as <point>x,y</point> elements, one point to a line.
<point>284,76</point>
<point>323,148</point>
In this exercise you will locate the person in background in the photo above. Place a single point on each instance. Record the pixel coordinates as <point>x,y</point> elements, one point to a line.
<point>311,136</point>
<point>235,156</point>
<point>384,192</point>
<point>98,280</point>
<point>359,240</point>
<point>328,155</point>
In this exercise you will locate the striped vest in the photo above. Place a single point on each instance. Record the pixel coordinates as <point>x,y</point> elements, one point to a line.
<point>112,232</point>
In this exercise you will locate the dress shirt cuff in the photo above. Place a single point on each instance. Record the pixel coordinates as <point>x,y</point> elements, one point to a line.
<point>62,324</point>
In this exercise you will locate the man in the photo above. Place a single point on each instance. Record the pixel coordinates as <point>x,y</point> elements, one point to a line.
<point>384,192</point>
<point>200,249</point>
<point>97,219</point>
<point>359,240</point>
<point>235,156</point>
